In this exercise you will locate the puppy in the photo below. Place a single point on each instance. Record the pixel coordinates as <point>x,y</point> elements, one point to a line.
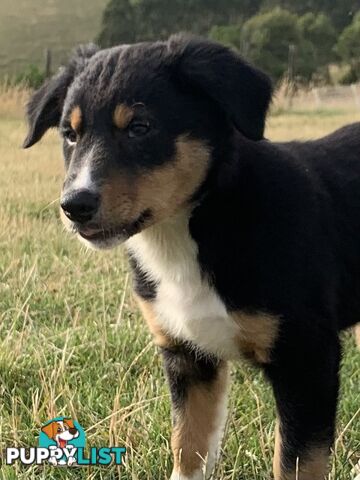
<point>240,248</point>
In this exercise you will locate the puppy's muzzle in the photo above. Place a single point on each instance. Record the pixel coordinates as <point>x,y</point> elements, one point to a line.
<point>80,206</point>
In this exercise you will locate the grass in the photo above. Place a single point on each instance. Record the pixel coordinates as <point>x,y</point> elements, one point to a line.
<point>72,341</point>
<point>27,28</point>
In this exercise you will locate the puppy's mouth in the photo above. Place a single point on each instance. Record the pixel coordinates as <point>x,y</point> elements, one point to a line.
<point>93,232</point>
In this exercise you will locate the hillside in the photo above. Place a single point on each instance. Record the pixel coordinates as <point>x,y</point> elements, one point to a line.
<point>28,27</point>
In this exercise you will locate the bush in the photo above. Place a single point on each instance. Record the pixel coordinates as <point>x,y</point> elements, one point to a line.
<point>31,77</point>
<point>231,35</point>
<point>348,48</point>
<point>349,77</point>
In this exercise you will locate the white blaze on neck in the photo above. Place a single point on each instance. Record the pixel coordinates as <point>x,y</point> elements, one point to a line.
<point>187,306</point>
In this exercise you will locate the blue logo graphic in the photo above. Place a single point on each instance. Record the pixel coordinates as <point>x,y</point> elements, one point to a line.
<point>63,433</point>
<point>62,443</point>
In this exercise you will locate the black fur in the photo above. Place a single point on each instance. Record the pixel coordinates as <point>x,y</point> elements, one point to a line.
<point>185,367</point>
<point>287,241</point>
<point>145,288</point>
<point>235,86</point>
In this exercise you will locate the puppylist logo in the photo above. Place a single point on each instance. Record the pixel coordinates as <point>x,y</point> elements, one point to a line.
<point>62,444</point>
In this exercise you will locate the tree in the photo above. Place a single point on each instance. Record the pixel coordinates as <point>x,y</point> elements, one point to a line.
<point>320,36</point>
<point>267,38</point>
<point>138,20</point>
<point>348,47</point>
<point>229,35</point>
<point>319,30</point>
<point>119,24</point>
<point>341,12</point>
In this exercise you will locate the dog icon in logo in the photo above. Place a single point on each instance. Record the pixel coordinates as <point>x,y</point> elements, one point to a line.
<point>62,433</point>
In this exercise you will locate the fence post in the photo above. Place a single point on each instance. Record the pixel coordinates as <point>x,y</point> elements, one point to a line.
<point>291,62</point>
<point>355,93</point>
<point>317,98</point>
<point>291,75</point>
<point>48,61</point>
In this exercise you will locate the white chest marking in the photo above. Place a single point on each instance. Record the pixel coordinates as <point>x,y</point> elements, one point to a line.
<point>187,307</point>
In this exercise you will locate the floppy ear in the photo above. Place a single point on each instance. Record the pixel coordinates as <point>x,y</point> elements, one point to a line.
<point>69,422</point>
<point>242,91</point>
<point>45,106</point>
<point>49,430</point>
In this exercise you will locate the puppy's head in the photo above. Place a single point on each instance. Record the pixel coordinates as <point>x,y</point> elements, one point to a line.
<point>142,127</point>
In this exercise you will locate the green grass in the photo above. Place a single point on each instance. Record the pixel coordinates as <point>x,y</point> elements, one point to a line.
<point>28,27</point>
<point>72,341</point>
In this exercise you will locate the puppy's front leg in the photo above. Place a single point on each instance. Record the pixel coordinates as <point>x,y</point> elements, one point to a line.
<point>198,386</point>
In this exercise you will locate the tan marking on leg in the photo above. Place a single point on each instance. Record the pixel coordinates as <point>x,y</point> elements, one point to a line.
<point>123,115</point>
<point>195,424</point>
<point>313,466</point>
<point>257,336</point>
<point>357,334</point>
<point>76,119</point>
<point>159,336</point>
<point>163,190</point>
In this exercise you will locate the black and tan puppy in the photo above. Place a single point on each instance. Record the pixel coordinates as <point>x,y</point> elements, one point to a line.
<point>239,247</point>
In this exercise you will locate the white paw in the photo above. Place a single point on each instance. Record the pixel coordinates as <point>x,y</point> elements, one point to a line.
<point>198,475</point>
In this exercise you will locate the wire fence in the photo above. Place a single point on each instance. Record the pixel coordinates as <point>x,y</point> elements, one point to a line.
<point>319,98</point>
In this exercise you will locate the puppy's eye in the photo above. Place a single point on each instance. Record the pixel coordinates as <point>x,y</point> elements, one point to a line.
<point>138,129</point>
<point>71,136</point>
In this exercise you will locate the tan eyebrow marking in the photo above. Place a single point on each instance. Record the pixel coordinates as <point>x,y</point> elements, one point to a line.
<point>122,115</point>
<point>76,119</point>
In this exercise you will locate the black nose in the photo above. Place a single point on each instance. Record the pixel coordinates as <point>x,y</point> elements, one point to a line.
<point>80,205</point>
<point>72,431</point>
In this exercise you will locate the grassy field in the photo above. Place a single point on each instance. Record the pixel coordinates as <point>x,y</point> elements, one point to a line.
<point>27,28</point>
<point>72,341</point>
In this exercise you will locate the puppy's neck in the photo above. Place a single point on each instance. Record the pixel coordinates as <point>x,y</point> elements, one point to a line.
<point>166,249</point>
